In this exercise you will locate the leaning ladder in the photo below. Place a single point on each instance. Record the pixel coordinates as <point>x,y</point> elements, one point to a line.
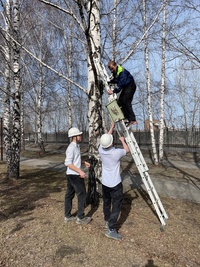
<point>118,117</point>
<point>143,170</point>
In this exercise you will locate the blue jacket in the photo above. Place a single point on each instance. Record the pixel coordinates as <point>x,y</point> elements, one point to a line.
<point>122,78</point>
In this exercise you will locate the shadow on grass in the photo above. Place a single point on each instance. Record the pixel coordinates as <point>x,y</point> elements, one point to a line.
<point>19,196</point>
<point>150,263</point>
<point>137,186</point>
<point>126,208</point>
<point>185,175</point>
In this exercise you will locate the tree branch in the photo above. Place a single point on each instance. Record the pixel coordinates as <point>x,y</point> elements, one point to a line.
<point>143,36</point>
<point>44,64</point>
<point>63,10</point>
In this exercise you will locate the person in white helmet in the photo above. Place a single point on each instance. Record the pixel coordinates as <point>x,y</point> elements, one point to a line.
<point>112,188</point>
<point>75,179</point>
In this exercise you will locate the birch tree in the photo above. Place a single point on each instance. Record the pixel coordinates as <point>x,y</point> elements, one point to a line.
<point>148,84</point>
<point>69,85</point>
<point>161,136</point>
<point>12,100</point>
<point>7,90</point>
<point>16,137</point>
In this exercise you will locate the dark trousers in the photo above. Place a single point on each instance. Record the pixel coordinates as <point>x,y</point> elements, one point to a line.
<point>125,101</point>
<point>75,184</point>
<point>112,203</point>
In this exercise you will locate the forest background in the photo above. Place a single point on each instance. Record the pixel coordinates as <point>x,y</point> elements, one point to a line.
<point>50,80</point>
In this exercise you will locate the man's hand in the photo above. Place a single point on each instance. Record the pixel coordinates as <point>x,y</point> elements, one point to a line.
<point>122,139</point>
<point>87,164</point>
<point>112,125</point>
<point>125,146</point>
<point>82,174</point>
<point>110,92</point>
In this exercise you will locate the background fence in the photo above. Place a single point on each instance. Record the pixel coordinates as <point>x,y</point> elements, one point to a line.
<point>182,139</point>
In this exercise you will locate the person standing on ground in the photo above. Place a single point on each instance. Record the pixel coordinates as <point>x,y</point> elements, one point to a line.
<point>126,88</point>
<point>75,179</point>
<point>112,188</point>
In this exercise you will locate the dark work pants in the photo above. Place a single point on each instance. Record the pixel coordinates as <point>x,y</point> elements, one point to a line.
<point>75,184</point>
<point>125,101</point>
<point>112,203</point>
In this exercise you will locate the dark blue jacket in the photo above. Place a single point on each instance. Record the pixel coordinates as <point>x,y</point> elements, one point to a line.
<point>122,78</point>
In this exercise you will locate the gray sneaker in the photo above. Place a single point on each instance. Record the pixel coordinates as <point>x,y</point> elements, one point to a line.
<point>69,219</point>
<point>84,220</point>
<point>113,234</point>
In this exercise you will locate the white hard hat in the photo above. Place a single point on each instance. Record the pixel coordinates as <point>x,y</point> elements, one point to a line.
<point>106,140</point>
<point>74,132</point>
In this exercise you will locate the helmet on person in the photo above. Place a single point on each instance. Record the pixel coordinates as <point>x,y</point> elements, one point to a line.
<point>106,140</point>
<point>74,132</point>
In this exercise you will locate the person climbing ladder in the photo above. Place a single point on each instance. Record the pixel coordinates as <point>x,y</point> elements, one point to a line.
<point>126,88</point>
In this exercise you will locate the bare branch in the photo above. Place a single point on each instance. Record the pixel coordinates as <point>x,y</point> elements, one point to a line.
<point>65,11</point>
<point>187,51</point>
<point>143,36</point>
<point>45,65</point>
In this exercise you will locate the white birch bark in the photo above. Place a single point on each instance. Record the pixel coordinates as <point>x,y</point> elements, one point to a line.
<point>39,112</point>
<point>148,75</point>
<point>94,87</point>
<point>16,136</point>
<point>161,136</point>
<point>114,31</point>
<point>6,118</point>
<point>22,120</point>
<point>69,86</point>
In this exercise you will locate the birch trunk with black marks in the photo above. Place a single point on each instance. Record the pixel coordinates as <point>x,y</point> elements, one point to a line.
<point>7,90</point>
<point>69,85</point>
<point>114,31</point>
<point>22,118</point>
<point>39,112</point>
<point>161,137</point>
<point>16,136</point>
<point>148,76</point>
<point>94,86</point>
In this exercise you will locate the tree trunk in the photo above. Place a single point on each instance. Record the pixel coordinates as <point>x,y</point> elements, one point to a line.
<point>153,143</point>
<point>161,137</point>
<point>94,86</point>
<point>7,118</point>
<point>69,87</point>
<point>16,136</point>
<point>39,115</point>
<point>22,119</point>
<point>114,31</point>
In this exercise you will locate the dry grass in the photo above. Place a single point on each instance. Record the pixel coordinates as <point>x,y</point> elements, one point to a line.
<point>33,233</point>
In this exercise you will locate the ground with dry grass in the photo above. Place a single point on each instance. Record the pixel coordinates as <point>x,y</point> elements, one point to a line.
<point>33,232</point>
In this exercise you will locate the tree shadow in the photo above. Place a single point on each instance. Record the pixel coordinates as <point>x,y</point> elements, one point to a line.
<point>136,184</point>
<point>196,157</point>
<point>150,263</point>
<point>93,209</point>
<point>186,176</point>
<point>20,196</point>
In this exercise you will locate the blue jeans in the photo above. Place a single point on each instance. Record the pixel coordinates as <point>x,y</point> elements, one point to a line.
<point>75,185</point>
<point>112,203</point>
